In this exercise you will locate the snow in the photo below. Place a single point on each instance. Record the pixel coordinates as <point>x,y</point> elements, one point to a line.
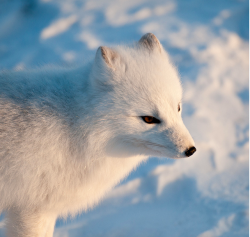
<point>205,195</point>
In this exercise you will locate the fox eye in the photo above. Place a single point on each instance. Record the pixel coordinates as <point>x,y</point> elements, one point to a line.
<point>179,107</point>
<point>150,119</point>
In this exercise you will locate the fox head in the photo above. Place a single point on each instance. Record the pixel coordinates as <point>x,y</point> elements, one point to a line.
<point>138,95</point>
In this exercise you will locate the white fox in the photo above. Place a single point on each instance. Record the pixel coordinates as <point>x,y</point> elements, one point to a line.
<point>67,136</point>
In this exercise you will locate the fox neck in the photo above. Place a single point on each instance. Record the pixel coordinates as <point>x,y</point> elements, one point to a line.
<point>101,176</point>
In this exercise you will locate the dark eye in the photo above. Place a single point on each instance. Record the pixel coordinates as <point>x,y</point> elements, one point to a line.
<point>179,107</point>
<point>150,119</point>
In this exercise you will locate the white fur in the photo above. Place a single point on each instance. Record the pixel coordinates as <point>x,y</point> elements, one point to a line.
<point>67,136</point>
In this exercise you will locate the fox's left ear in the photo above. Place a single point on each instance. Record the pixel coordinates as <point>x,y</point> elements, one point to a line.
<point>107,67</point>
<point>107,57</point>
<point>150,42</point>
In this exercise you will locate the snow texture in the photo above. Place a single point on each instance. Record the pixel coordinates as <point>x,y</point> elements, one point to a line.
<point>205,195</point>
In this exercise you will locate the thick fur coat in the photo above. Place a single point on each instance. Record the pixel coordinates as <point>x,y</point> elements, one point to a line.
<point>67,136</point>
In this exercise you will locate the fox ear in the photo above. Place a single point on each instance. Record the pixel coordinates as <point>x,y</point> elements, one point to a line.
<point>107,56</point>
<point>150,42</point>
<point>107,68</point>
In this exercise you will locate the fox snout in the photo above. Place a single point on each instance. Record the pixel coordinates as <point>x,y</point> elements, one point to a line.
<point>190,151</point>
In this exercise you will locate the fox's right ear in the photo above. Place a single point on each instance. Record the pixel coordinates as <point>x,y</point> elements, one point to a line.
<point>150,42</point>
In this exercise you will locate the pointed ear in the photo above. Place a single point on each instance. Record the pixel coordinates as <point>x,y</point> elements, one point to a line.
<point>150,42</point>
<point>105,55</point>
<point>107,68</point>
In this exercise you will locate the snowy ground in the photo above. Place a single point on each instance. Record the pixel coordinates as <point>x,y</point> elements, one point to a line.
<point>205,195</point>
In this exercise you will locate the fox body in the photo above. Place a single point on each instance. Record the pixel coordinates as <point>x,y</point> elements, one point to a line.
<point>67,136</point>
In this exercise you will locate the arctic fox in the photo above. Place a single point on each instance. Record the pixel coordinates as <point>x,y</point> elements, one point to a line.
<point>67,136</point>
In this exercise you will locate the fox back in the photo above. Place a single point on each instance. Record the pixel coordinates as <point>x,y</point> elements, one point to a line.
<point>67,136</point>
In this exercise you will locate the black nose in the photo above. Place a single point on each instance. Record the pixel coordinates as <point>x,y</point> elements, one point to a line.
<point>190,151</point>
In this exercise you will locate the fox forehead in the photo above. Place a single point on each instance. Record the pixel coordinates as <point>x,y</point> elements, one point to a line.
<point>149,80</point>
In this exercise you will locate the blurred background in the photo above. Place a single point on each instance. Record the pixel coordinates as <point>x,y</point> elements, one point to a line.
<point>206,195</point>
